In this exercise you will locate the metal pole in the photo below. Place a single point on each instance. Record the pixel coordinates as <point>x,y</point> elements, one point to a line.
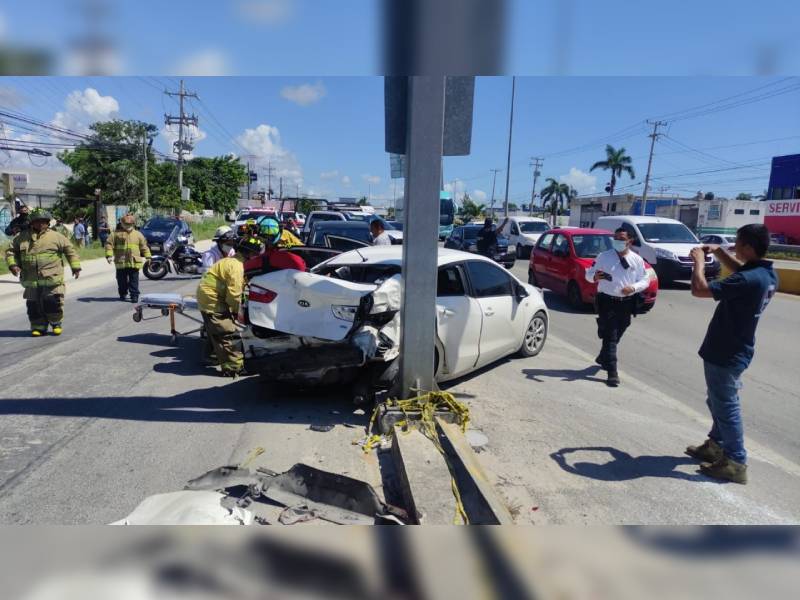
<point>248,181</point>
<point>146,191</point>
<point>420,245</point>
<point>537,163</point>
<point>494,181</point>
<point>510,129</point>
<point>180,143</point>
<point>653,136</point>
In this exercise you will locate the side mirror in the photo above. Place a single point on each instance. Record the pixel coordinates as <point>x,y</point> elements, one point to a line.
<point>520,293</point>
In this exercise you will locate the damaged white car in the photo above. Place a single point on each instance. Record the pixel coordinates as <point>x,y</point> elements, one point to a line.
<point>340,322</point>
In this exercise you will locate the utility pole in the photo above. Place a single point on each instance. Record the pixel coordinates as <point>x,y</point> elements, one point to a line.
<point>146,192</point>
<point>269,180</point>
<point>280,193</point>
<point>510,130</point>
<point>249,179</point>
<point>653,137</point>
<point>536,164</point>
<point>181,120</point>
<point>494,173</point>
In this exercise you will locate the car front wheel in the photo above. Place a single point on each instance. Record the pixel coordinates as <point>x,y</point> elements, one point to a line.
<point>535,335</point>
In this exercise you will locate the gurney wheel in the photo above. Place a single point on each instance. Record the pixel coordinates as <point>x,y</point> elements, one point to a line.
<point>137,316</point>
<point>165,311</point>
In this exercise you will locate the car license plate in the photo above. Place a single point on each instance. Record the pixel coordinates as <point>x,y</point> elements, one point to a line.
<point>155,247</point>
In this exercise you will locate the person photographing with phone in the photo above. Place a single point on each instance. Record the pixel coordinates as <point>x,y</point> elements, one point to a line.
<point>620,275</point>
<point>729,344</point>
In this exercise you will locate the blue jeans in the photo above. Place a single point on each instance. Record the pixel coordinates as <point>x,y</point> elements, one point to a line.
<point>723,385</point>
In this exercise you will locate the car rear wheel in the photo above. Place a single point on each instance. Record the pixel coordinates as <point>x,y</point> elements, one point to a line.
<point>535,335</point>
<point>574,295</point>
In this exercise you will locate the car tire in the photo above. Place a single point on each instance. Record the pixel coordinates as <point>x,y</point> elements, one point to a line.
<point>532,279</point>
<point>535,336</point>
<point>574,295</point>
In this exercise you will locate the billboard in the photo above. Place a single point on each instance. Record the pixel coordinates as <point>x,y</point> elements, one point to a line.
<point>783,218</point>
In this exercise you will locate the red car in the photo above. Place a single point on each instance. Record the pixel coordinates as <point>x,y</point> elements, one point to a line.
<point>561,256</point>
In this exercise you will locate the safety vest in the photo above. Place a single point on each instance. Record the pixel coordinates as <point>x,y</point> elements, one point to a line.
<point>129,249</point>
<point>220,289</point>
<point>40,256</point>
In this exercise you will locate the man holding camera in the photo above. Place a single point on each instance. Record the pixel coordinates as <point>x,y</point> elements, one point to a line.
<point>620,275</point>
<point>730,343</point>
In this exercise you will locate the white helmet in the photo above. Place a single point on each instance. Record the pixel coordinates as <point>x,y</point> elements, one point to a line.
<point>221,230</point>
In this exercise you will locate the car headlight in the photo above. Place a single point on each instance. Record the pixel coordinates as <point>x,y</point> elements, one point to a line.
<point>512,248</point>
<point>473,247</point>
<point>344,312</point>
<point>668,254</point>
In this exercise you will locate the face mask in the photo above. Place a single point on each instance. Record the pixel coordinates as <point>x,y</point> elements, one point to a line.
<point>619,245</point>
<point>227,250</point>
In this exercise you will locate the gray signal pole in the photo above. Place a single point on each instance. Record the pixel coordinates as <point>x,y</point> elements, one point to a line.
<point>145,148</point>
<point>653,137</point>
<point>182,119</point>
<point>536,164</point>
<point>494,173</point>
<point>424,146</point>
<point>510,130</point>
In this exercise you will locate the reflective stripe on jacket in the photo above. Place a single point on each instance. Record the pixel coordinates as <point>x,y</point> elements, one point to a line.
<point>220,289</point>
<point>129,249</point>
<point>41,258</point>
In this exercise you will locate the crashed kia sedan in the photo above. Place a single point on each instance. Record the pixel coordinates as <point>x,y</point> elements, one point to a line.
<point>340,322</point>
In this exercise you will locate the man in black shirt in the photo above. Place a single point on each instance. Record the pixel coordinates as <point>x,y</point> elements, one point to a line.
<point>487,238</point>
<point>19,223</point>
<point>730,343</point>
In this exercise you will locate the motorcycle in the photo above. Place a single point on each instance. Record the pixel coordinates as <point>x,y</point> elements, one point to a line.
<point>177,257</point>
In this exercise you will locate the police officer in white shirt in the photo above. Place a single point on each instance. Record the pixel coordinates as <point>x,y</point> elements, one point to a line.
<point>379,235</point>
<point>621,275</point>
<point>224,240</point>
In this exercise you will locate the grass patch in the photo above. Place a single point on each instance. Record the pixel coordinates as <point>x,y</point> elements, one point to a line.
<point>202,230</point>
<point>784,255</point>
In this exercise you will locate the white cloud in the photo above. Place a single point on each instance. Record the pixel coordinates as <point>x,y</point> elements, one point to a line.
<point>10,97</point>
<point>346,180</point>
<point>304,94</point>
<point>82,108</point>
<point>583,182</point>
<point>372,179</point>
<point>264,142</point>
<point>266,12</point>
<point>329,174</point>
<point>479,196</point>
<point>208,62</point>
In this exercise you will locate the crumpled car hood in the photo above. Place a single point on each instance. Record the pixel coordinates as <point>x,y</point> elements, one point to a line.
<point>304,303</point>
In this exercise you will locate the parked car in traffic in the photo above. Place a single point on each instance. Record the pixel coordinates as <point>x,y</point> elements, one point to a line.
<point>252,214</point>
<point>339,235</point>
<point>561,257</point>
<point>397,225</point>
<point>465,238</point>
<point>664,243</point>
<point>341,321</point>
<point>523,232</point>
<point>726,241</point>
<point>158,229</point>
<point>348,216</point>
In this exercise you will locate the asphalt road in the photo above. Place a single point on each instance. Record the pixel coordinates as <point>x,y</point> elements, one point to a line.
<point>112,411</point>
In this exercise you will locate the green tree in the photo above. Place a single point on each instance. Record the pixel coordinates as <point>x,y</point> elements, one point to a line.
<point>555,195</point>
<point>512,207</point>
<point>470,209</point>
<point>708,196</point>
<point>744,196</point>
<point>363,201</point>
<point>618,163</point>
<point>215,182</point>
<point>111,160</point>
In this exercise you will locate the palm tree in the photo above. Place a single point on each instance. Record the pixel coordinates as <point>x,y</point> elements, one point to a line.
<point>618,163</point>
<point>556,194</point>
<point>470,210</point>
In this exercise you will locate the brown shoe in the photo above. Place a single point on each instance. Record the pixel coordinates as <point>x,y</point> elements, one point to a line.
<point>725,469</point>
<point>709,451</point>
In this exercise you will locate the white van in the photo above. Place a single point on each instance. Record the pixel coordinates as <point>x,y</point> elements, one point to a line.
<point>523,232</point>
<point>664,243</point>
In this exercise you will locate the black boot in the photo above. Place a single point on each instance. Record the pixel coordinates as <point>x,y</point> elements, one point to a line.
<point>613,379</point>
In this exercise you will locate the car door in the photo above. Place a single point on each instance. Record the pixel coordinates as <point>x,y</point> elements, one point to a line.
<point>458,323</point>
<point>513,234</point>
<point>343,244</point>
<point>559,264</point>
<point>492,287</point>
<point>541,260</point>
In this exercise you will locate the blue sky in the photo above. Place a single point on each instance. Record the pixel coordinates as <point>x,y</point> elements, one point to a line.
<point>326,133</point>
<point>311,37</point>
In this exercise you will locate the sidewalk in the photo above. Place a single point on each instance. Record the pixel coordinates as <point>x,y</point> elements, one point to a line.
<point>94,273</point>
<point>566,449</point>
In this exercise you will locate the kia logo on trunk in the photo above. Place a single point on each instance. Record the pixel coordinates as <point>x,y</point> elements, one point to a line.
<point>303,303</point>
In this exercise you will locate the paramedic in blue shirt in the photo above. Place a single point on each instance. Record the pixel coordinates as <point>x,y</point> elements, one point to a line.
<point>729,345</point>
<point>620,275</point>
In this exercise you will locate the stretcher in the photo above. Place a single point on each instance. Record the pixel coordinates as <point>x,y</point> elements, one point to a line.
<point>169,305</point>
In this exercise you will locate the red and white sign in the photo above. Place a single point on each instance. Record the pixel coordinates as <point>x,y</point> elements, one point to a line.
<point>783,217</point>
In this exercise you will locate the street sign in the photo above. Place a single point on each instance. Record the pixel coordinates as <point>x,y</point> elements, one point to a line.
<point>185,194</point>
<point>20,180</point>
<point>397,163</point>
<point>253,176</point>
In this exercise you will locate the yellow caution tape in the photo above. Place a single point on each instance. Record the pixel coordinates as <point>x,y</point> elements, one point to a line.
<point>254,453</point>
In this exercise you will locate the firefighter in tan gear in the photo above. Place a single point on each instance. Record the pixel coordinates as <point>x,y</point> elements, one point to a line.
<point>127,248</point>
<point>36,256</point>
<point>219,297</point>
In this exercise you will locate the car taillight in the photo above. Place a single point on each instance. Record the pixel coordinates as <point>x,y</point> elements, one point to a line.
<point>260,294</point>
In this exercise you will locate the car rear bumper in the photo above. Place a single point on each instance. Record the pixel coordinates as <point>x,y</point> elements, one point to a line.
<point>314,365</point>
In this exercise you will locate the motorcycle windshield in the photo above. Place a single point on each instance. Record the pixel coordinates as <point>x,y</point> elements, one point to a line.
<point>171,242</point>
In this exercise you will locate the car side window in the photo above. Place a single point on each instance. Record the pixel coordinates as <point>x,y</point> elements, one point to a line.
<point>561,245</point>
<point>545,241</point>
<point>514,229</point>
<point>488,280</point>
<point>450,282</point>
